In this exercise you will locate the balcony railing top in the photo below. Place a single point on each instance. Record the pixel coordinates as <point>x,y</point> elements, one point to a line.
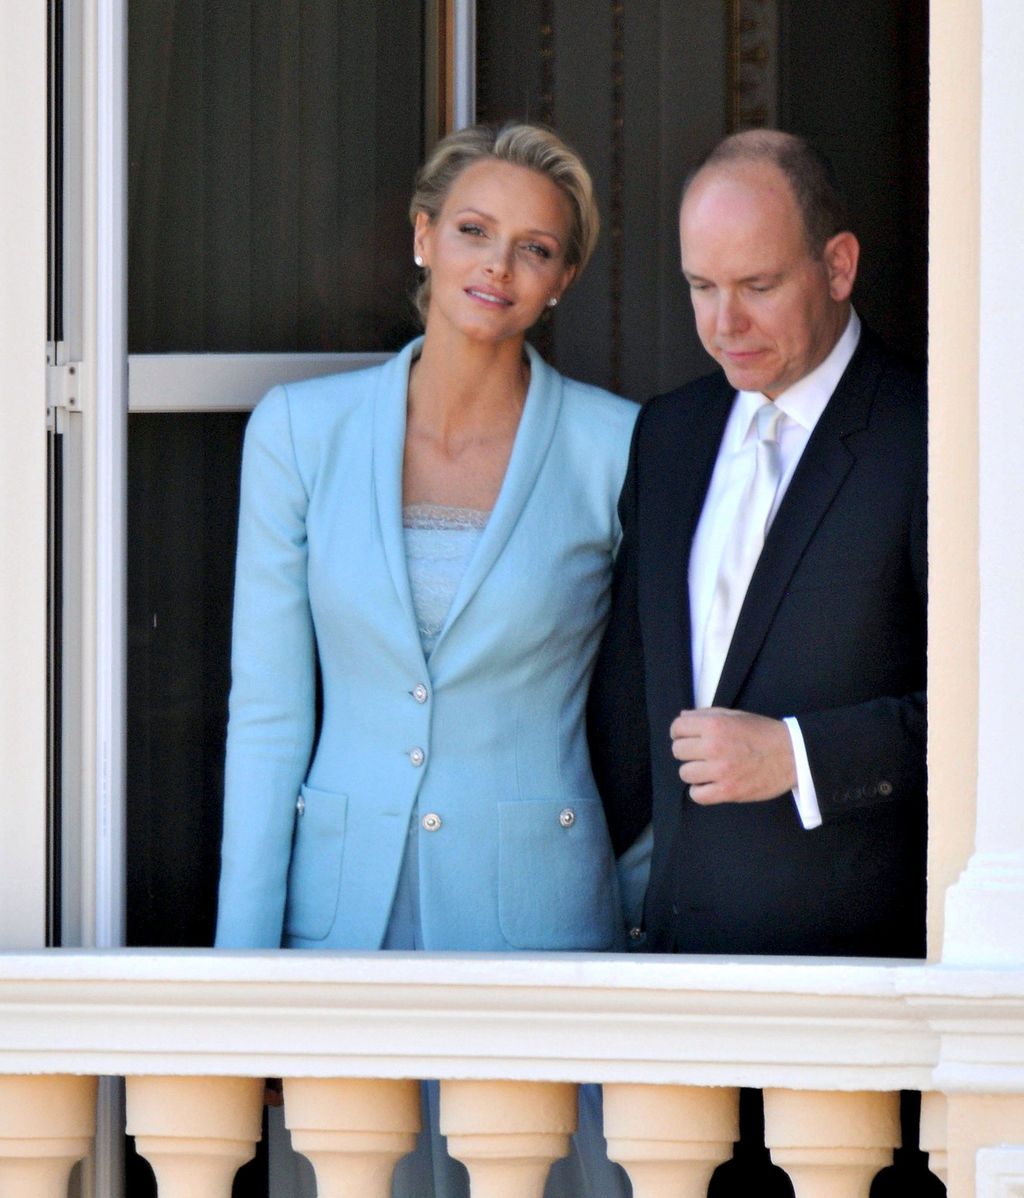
<point>798,1023</point>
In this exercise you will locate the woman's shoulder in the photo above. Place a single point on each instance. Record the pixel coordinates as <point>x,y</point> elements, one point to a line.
<point>599,421</point>
<point>316,407</point>
<point>598,411</point>
<point>331,395</point>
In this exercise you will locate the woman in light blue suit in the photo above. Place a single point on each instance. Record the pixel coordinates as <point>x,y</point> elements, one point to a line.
<point>438,534</point>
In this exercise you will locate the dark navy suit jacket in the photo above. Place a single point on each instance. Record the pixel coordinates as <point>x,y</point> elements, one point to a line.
<point>832,630</point>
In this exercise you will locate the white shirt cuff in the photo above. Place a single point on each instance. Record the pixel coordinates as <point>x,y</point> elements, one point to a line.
<point>804,794</point>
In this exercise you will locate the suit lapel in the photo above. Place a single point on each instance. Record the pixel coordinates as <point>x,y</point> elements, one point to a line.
<point>686,464</point>
<point>533,437</point>
<point>821,472</point>
<point>388,460</point>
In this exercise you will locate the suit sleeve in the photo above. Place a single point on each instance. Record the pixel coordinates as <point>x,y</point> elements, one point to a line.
<point>874,752</point>
<point>272,702</point>
<point>617,724</point>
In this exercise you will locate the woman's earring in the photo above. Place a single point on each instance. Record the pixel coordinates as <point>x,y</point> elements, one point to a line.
<point>417,259</point>
<point>553,301</point>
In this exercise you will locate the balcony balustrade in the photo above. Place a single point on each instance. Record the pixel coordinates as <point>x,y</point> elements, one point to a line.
<point>194,1033</point>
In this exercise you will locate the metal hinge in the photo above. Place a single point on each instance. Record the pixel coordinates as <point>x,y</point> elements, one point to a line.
<point>63,390</point>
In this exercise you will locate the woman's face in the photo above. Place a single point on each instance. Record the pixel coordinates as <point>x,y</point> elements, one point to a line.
<point>496,251</point>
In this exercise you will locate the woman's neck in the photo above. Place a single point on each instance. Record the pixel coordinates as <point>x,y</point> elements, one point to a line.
<point>471,388</point>
<point>464,405</point>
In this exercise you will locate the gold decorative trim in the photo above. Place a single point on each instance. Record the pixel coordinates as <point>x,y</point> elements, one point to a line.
<point>753,64</point>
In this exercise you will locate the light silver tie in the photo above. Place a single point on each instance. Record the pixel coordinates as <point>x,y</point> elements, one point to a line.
<point>742,549</point>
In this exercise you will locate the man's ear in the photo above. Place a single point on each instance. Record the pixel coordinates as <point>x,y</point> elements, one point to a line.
<point>842,253</point>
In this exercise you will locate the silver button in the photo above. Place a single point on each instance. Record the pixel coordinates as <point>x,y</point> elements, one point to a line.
<point>567,817</point>
<point>300,805</point>
<point>885,788</point>
<point>419,693</point>
<point>431,821</point>
<point>417,756</point>
<point>636,933</point>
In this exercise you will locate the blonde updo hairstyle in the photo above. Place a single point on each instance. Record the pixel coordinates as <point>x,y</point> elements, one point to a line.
<point>531,146</point>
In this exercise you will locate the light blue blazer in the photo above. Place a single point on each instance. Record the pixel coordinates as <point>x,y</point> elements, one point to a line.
<point>481,754</point>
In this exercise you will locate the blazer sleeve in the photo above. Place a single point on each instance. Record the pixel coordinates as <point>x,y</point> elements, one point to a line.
<point>273,679</point>
<point>618,728</point>
<point>874,752</point>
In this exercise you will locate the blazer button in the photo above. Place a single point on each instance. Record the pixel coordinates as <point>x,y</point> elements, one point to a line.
<point>417,756</point>
<point>567,817</point>
<point>431,821</point>
<point>419,693</point>
<point>885,788</point>
<point>636,934</point>
<point>300,805</point>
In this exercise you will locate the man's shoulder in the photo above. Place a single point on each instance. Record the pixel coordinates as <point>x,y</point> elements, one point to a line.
<point>679,403</point>
<point>893,389</point>
<point>695,391</point>
<point>892,372</point>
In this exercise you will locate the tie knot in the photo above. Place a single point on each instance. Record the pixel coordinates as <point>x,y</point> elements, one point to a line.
<point>768,418</point>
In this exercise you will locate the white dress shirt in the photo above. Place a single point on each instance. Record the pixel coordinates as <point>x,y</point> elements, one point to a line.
<point>803,404</point>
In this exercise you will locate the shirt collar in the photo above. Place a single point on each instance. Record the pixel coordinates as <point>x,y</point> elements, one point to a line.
<point>807,398</point>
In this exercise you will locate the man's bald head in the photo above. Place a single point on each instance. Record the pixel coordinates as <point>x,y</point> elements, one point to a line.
<point>807,170</point>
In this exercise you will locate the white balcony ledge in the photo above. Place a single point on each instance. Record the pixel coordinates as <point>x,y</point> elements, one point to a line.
<point>799,1024</point>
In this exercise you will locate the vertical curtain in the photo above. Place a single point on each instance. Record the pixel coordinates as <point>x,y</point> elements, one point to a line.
<point>272,146</point>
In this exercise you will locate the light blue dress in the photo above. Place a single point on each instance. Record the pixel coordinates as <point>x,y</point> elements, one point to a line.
<point>439,543</point>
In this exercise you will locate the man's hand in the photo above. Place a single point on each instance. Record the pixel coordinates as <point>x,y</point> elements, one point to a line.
<point>732,756</point>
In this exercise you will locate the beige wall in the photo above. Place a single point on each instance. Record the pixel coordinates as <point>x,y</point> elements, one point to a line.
<point>953,389</point>
<point>22,472</point>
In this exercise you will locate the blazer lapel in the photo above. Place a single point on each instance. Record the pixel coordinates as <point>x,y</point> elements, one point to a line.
<point>388,460</point>
<point>533,437</point>
<point>820,474</point>
<point>681,474</point>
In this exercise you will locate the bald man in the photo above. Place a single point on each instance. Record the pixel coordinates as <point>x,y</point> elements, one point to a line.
<point>759,700</point>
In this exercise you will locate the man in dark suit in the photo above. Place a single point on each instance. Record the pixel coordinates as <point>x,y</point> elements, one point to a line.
<point>759,696</point>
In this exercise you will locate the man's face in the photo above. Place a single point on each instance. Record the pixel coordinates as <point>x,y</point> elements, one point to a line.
<point>767,311</point>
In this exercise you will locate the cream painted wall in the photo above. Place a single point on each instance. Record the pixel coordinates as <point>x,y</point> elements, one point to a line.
<point>953,392</point>
<point>23,473</point>
<point>976,1121</point>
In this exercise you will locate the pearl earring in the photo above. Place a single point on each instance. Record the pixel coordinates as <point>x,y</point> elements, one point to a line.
<point>553,301</point>
<point>417,259</point>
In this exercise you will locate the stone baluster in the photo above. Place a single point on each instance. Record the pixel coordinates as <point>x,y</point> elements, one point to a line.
<point>353,1130</point>
<point>831,1143</point>
<point>933,1133</point>
<point>195,1131</point>
<point>670,1139</point>
<point>46,1125</point>
<point>506,1133</point>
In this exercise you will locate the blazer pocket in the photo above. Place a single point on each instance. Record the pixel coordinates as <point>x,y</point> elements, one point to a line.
<point>556,875</point>
<point>314,872</point>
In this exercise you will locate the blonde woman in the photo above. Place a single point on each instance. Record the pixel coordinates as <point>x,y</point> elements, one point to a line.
<point>437,534</point>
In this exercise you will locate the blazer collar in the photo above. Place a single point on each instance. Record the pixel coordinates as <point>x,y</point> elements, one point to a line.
<point>388,452</point>
<point>533,437</point>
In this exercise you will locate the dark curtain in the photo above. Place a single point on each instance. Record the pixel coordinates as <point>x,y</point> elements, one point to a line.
<point>272,146</point>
